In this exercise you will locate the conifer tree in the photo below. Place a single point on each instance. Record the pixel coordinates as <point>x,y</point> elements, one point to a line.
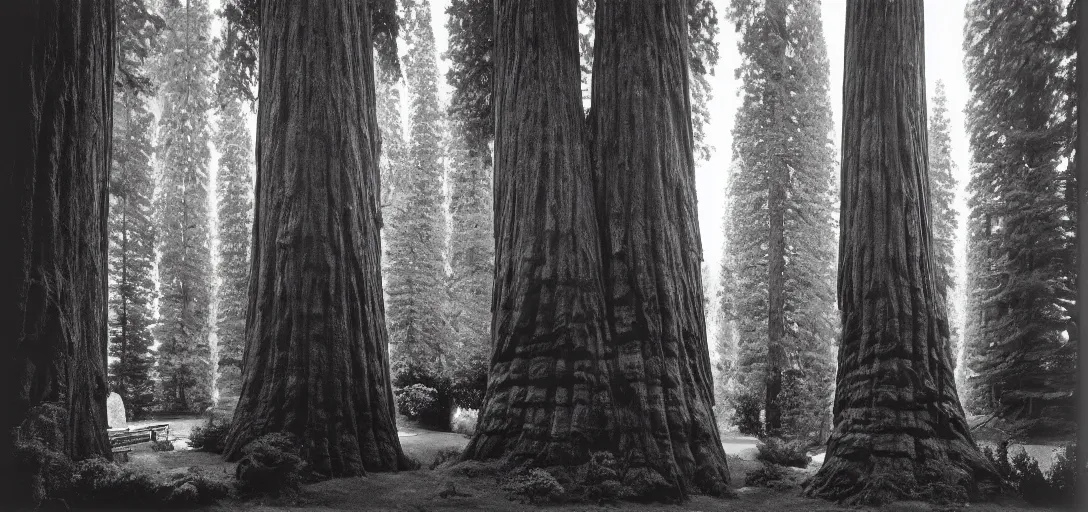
<point>184,70</point>
<point>942,195</point>
<point>781,229</point>
<point>702,29</point>
<point>899,430</point>
<point>1020,291</point>
<point>132,238</point>
<point>416,225</point>
<point>234,188</point>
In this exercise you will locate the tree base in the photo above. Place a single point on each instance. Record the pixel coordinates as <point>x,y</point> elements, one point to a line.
<point>877,480</point>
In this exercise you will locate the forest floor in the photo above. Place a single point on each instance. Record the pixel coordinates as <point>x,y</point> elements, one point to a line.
<point>426,490</point>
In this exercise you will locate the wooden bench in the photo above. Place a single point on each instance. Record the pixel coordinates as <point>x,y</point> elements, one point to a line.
<point>146,434</point>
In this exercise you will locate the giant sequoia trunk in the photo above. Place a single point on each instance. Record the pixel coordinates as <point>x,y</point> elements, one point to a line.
<point>315,362</point>
<point>54,200</point>
<point>899,428</point>
<point>546,399</point>
<point>569,376</point>
<point>662,385</point>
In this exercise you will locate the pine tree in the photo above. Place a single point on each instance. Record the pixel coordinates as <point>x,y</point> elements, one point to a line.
<point>416,225</point>
<point>185,68</point>
<point>132,237</point>
<point>472,257</point>
<point>1020,290</point>
<point>779,271</point>
<point>234,186</point>
<point>942,195</point>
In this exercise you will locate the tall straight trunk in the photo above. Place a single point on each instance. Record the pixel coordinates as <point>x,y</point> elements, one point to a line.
<point>315,362</point>
<point>53,257</point>
<point>661,384</point>
<point>899,427</point>
<point>778,177</point>
<point>546,399</point>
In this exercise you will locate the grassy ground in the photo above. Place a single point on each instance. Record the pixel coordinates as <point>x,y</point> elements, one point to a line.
<point>427,490</point>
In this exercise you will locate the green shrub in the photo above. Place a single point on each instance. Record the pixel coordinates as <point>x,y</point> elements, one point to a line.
<point>767,475</point>
<point>416,400</point>
<point>270,465</point>
<point>783,452</point>
<point>444,456</point>
<point>212,437</point>
<point>1028,479</point>
<point>537,486</point>
<point>600,479</point>
<point>40,472</point>
<point>464,421</point>
<point>162,446</point>
<point>746,410</point>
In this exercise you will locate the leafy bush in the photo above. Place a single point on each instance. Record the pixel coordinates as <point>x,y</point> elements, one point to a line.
<point>464,421</point>
<point>416,400</point>
<point>40,472</point>
<point>600,478</point>
<point>537,486</point>
<point>270,464</point>
<point>784,452</point>
<point>444,456</point>
<point>746,411</point>
<point>162,446</point>
<point>768,475</point>
<point>211,437</point>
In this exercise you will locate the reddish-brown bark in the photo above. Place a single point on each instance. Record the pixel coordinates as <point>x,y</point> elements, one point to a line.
<point>58,72</point>
<point>899,428</point>
<point>315,362</point>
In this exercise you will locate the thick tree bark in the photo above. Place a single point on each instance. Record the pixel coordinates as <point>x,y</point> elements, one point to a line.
<point>778,177</point>
<point>546,400</point>
<point>53,256</point>
<point>662,386</point>
<point>899,427</point>
<point>315,362</point>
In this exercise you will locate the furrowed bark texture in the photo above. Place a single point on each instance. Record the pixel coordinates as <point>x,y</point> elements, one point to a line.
<point>546,401</point>
<point>662,386</point>
<point>778,179</point>
<point>53,256</point>
<point>899,428</point>
<point>315,362</point>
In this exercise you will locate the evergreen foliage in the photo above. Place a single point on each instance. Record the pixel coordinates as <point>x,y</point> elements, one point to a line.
<point>942,194</point>
<point>131,228</point>
<point>1021,283</point>
<point>234,188</point>
<point>472,258</point>
<point>185,70</point>
<point>782,135</point>
<point>416,230</point>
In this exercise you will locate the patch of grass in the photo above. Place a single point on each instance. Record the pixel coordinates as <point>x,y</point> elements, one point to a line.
<point>445,455</point>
